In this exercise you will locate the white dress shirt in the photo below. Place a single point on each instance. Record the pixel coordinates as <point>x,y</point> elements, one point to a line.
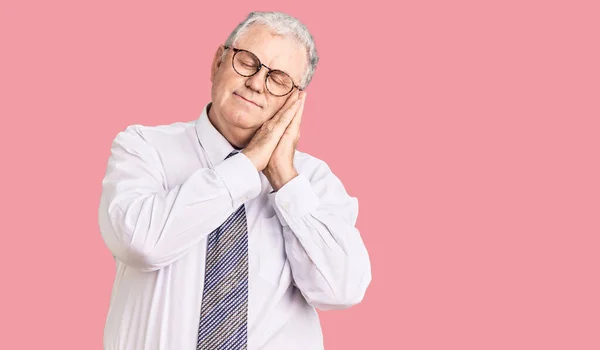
<point>167,187</point>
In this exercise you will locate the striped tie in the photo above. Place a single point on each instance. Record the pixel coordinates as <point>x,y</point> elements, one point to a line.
<point>224,310</point>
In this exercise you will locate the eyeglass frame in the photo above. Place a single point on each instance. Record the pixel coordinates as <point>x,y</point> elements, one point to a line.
<point>260,65</point>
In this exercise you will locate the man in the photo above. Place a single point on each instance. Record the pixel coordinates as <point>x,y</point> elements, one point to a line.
<point>224,235</point>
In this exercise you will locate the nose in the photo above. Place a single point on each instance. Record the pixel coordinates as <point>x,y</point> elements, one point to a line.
<point>257,81</point>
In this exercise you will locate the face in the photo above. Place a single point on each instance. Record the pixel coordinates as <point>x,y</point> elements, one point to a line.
<point>242,104</point>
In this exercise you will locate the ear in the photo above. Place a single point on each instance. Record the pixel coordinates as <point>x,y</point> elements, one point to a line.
<point>216,62</point>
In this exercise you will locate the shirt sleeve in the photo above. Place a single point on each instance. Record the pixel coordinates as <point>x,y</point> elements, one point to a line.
<point>149,226</point>
<point>329,261</point>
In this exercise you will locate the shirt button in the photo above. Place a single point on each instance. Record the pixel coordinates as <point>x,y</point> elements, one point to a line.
<point>286,205</point>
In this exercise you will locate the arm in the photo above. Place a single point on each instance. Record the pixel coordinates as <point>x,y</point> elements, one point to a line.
<point>328,259</point>
<point>148,226</point>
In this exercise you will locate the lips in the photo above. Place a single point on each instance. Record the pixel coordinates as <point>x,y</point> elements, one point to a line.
<point>245,99</point>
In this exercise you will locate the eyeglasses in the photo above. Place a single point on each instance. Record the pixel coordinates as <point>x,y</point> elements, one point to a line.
<point>246,64</point>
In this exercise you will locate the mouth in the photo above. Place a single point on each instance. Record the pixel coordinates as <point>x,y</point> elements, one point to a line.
<point>242,98</point>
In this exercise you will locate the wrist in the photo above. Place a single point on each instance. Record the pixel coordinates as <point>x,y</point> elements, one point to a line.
<point>278,178</point>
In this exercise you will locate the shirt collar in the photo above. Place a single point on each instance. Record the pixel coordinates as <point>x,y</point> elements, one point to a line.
<point>214,143</point>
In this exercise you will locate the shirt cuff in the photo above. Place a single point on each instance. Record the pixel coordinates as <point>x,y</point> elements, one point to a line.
<point>240,177</point>
<point>294,200</point>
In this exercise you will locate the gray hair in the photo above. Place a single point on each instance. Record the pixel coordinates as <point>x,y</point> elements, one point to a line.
<point>281,24</point>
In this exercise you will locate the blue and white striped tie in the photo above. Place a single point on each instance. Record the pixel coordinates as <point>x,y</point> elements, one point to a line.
<point>224,312</point>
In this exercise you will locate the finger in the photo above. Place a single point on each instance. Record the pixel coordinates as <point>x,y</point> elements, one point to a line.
<point>274,129</point>
<point>293,129</point>
<point>295,123</point>
<point>298,117</point>
<point>279,123</point>
<point>301,109</point>
<point>289,103</point>
<point>288,115</point>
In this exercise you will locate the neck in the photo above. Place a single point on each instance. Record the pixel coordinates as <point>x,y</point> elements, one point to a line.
<point>238,138</point>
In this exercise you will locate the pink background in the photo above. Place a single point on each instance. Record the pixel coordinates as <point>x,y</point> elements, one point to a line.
<point>468,131</point>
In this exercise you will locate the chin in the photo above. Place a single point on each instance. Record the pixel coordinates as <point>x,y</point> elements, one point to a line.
<point>240,118</point>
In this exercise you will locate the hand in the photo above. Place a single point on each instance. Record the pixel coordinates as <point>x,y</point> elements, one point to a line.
<point>280,169</point>
<point>266,138</point>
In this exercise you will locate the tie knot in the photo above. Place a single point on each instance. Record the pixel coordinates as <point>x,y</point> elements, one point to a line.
<point>234,152</point>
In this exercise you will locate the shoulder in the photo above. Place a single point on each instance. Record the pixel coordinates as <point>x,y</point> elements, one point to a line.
<point>152,131</point>
<point>153,135</point>
<point>327,185</point>
<point>310,166</point>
